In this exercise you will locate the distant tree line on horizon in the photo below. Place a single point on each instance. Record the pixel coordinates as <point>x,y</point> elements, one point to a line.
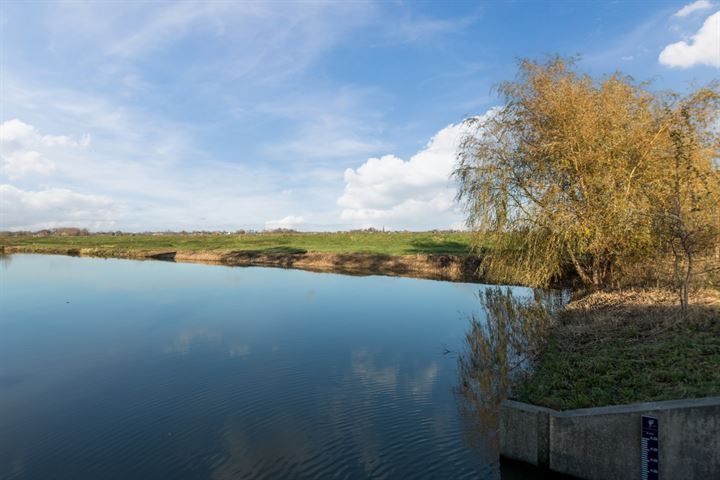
<point>80,232</point>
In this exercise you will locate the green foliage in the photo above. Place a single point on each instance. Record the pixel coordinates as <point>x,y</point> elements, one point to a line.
<point>610,348</point>
<point>625,368</point>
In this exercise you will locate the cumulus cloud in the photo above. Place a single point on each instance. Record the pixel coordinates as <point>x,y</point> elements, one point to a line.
<point>692,8</point>
<point>14,130</point>
<point>18,163</point>
<point>703,48</point>
<point>53,207</point>
<point>23,150</point>
<point>418,193</point>
<point>291,221</point>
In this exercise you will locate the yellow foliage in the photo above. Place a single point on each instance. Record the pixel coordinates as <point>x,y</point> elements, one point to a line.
<point>571,173</point>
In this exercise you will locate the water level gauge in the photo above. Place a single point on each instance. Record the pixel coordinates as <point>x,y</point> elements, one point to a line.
<point>649,448</point>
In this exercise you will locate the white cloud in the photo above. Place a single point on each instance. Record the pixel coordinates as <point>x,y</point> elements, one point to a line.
<point>169,169</point>
<point>18,163</point>
<point>692,8</point>
<point>17,131</point>
<point>703,48</point>
<point>152,168</point>
<point>62,140</point>
<point>53,207</point>
<point>291,221</point>
<point>14,130</point>
<point>24,151</point>
<point>415,193</point>
<point>383,183</point>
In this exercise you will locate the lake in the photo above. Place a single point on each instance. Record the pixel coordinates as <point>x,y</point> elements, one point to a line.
<point>120,369</point>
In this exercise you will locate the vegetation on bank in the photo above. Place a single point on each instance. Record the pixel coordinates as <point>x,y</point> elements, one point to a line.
<point>606,348</point>
<point>617,186</point>
<point>383,243</point>
<point>627,347</point>
<point>606,178</point>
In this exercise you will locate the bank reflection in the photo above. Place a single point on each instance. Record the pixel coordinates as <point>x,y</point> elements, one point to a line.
<point>498,353</point>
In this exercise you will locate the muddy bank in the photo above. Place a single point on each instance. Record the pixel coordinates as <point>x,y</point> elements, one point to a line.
<point>436,267</point>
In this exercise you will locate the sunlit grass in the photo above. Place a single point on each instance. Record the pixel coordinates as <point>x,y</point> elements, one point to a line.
<point>629,350</point>
<point>395,243</point>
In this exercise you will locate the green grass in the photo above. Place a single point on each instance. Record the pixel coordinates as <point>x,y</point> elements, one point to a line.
<point>626,365</point>
<point>395,243</point>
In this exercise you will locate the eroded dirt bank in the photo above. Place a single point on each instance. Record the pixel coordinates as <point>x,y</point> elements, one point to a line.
<point>437,267</point>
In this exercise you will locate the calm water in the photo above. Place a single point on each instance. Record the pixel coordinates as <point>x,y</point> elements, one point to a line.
<point>124,369</point>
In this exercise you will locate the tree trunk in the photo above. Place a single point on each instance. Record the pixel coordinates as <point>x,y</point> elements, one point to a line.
<point>686,280</point>
<point>579,268</point>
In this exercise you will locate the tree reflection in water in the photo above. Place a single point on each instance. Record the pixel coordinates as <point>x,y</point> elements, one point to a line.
<point>5,259</point>
<point>499,352</point>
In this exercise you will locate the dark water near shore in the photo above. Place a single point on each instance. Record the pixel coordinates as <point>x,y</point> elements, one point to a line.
<point>118,369</point>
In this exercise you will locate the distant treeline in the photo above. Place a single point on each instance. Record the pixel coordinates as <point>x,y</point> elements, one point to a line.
<point>83,232</point>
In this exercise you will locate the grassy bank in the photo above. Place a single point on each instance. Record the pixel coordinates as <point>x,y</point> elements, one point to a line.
<point>392,243</point>
<point>431,255</point>
<point>626,347</point>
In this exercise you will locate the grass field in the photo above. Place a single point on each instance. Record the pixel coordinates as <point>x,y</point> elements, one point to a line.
<point>628,347</point>
<point>392,243</point>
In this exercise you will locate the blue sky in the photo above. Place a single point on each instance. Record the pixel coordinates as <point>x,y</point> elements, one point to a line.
<point>312,115</point>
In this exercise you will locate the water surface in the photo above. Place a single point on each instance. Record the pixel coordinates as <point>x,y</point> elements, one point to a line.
<point>120,369</point>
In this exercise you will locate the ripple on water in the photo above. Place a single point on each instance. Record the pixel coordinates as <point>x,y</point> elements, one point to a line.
<point>228,380</point>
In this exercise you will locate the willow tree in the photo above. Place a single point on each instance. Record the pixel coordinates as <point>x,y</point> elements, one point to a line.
<point>684,193</point>
<point>557,177</point>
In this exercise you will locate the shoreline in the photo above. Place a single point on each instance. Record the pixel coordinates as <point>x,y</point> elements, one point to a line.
<point>446,267</point>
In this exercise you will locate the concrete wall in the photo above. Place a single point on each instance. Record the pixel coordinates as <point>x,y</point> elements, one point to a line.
<point>524,432</point>
<point>604,443</point>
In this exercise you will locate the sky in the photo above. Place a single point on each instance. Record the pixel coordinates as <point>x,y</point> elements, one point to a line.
<point>317,116</point>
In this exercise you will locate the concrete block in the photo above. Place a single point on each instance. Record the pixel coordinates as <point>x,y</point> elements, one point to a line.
<point>524,432</point>
<point>604,443</point>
